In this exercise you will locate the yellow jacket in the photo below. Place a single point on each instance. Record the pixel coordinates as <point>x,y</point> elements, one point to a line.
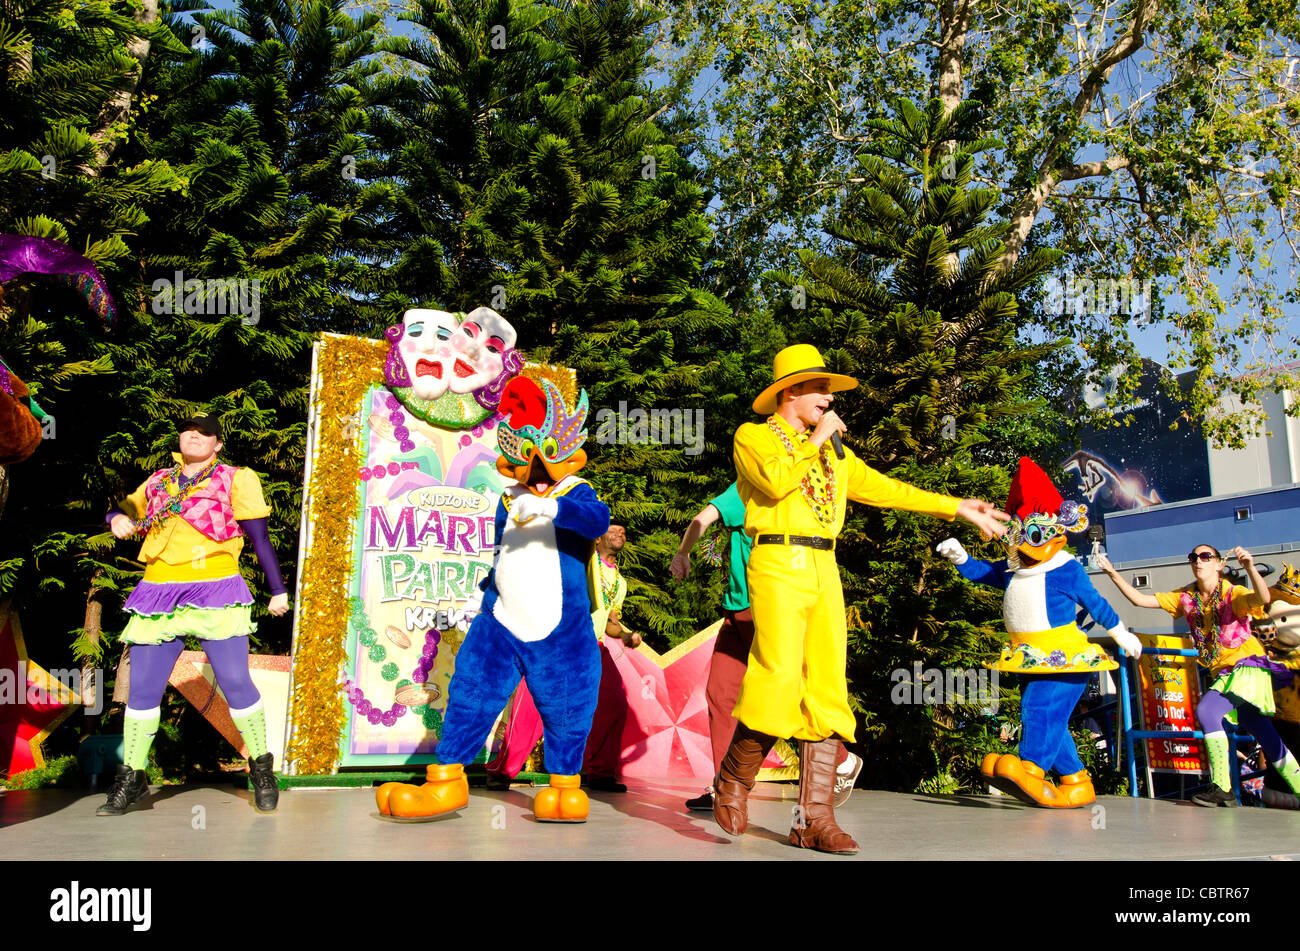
<point>769,480</point>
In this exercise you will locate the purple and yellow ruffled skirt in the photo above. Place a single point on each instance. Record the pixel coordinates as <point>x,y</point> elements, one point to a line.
<point>178,601</point>
<point>1253,681</point>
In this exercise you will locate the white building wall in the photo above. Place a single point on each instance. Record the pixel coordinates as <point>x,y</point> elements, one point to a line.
<point>1267,460</point>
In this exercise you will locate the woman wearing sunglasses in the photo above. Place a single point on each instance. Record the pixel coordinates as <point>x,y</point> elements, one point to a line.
<point>1218,614</point>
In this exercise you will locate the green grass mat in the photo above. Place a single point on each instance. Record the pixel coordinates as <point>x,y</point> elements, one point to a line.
<point>354,780</point>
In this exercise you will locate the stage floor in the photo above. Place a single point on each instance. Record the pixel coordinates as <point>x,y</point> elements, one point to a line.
<point>648,822</point>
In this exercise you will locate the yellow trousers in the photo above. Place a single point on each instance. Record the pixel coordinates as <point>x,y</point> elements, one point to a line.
<point>795,684</point>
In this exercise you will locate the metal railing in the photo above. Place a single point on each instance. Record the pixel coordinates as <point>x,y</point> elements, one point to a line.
<point>1132,736</point>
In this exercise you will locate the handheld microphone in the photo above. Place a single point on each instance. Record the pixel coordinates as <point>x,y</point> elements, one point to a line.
<point>839,446</point>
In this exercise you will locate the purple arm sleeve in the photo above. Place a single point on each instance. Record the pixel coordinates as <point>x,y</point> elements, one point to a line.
<point>113,513</point>
<point>255,529</point>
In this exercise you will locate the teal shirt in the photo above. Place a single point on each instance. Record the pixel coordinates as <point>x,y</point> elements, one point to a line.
<point>732,511</point>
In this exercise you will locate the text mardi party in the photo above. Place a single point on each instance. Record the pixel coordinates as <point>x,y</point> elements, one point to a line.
<point>404,576</point>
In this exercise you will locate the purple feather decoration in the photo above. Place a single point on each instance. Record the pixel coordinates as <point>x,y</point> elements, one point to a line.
<point>23,254</point>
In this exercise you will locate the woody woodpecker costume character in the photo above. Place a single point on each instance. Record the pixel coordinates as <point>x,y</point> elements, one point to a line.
<point>194,517</point>
<point>1044,586</point>
<point>531,615</point>
<point>795,490</point>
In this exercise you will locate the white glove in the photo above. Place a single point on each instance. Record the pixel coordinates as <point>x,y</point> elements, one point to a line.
<point>465,616</point>
<point>1127,641</point>
<point>951,549</point>
<point>528,507</point>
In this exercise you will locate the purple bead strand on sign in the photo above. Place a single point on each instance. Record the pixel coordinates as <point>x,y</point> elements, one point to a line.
<point>368,710</point>
<point>400,432</point>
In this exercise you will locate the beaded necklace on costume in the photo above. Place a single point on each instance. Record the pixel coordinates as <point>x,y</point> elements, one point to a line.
<point>172,480</point>
<point>607,588</point>
<point>1208,645</point>
<point>818,486</point>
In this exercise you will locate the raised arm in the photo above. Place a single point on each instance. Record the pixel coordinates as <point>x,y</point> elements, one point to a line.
<point>1247,561</point>
<point>1135,597</point>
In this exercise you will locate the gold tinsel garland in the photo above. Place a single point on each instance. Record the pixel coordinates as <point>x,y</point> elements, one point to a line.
<point>564,378</point>
<point>348,367</point>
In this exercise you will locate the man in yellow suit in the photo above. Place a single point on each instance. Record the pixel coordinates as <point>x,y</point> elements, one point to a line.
<point>794,488</point>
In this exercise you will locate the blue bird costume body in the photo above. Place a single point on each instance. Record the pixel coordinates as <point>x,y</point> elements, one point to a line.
<point>535,623</point>
<point>534,616</point>
<point>1039,600</point>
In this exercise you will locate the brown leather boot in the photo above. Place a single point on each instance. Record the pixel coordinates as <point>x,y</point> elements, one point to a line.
<point>814,825</point>
<point>736,778</point>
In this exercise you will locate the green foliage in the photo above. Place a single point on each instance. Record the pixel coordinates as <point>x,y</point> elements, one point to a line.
<point>61,773</point>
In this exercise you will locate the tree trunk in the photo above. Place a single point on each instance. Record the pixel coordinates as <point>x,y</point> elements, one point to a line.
<point>119,104</point>
<point>954,22</point>
<point>1057,165</point>
<point>90,672</point>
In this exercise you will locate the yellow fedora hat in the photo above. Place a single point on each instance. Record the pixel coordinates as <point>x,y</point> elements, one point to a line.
<point>795,365</point>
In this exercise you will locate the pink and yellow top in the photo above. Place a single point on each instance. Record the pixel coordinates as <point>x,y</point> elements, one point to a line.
<point>204,540</point>
<point>1235,642</point>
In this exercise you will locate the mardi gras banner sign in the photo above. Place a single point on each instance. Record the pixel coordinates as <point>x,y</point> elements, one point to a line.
<point>399,501</point>
<point>1168,692</point>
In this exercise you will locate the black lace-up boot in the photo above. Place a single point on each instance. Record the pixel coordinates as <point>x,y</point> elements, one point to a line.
<point>266,791</point>
<point>129,785</point>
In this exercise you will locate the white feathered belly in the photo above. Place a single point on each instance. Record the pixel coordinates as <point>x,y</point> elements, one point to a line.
<point>1024,606</point>
<point>529,594</point>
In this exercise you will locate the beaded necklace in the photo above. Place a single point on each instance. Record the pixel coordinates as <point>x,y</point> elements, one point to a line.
<point>821,503</point>
<point>711,551</point>
<point>177,495</point>
<point>1208,645</point>
<point>359,623</point>
<point>607,588</point>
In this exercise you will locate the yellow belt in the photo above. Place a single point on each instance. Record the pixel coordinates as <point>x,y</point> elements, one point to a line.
<point>1053,635</point>
<point>209,568</point>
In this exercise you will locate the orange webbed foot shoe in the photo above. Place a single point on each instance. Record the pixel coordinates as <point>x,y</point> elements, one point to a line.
<point>382,794</point>
<point>989,770</point>
<point>1025,781</point>
<point>561,801</point>
<point>446,790</point>
<point>1075,790</point>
